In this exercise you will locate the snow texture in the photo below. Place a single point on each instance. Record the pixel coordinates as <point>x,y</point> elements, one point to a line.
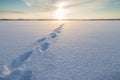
<point>78,50</point>
<point>17,71</point>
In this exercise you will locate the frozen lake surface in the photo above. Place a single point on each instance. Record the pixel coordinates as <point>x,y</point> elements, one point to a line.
<point>53,50</point>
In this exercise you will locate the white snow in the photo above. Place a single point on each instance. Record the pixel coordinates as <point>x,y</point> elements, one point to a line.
<point>51,50</point>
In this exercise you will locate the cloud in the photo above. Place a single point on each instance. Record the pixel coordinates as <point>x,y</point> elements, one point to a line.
<point>51,5</point>
<point>16,12</point>
<point>42,5</point>
<point>28,2</point>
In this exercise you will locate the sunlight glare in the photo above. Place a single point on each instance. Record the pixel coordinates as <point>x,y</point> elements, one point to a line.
<point>60,12</point>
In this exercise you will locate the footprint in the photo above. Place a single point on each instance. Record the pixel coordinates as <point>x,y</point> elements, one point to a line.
<point>4,72</point>
<point>15,75</point>
<point>53,35</point>
<point>41,40</point>
<point>58,31</point>
<point>20,60</point>
<point>44,46</point>
<point>26,75</point>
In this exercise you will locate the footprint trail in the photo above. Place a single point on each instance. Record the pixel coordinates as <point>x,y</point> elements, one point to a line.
<point>18,68</point>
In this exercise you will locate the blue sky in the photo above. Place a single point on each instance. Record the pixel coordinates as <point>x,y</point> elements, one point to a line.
<point>51,9</point>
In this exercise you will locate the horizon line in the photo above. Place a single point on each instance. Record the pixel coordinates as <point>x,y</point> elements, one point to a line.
<point>107,19</point>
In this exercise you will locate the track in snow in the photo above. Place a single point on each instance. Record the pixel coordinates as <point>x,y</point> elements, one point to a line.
<point>18,68</point>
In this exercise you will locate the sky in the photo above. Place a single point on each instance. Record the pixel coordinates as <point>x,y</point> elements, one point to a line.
<point>59,9</point>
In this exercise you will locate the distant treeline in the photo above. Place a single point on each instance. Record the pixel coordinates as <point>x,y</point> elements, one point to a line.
<point>59,19</point>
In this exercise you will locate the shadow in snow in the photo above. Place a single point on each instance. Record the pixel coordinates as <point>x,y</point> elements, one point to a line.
<point>26,75</point>
<point>19,61</point>
<point>16,71</point>
<point>44,46</point>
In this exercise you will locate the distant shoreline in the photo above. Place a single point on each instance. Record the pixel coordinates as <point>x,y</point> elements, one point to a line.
<point>59,20</point>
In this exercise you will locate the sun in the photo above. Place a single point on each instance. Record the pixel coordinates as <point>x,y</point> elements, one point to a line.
<point>60,12</point>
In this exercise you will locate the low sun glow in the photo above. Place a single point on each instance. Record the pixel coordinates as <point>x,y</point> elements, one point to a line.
<point>60,12</point>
